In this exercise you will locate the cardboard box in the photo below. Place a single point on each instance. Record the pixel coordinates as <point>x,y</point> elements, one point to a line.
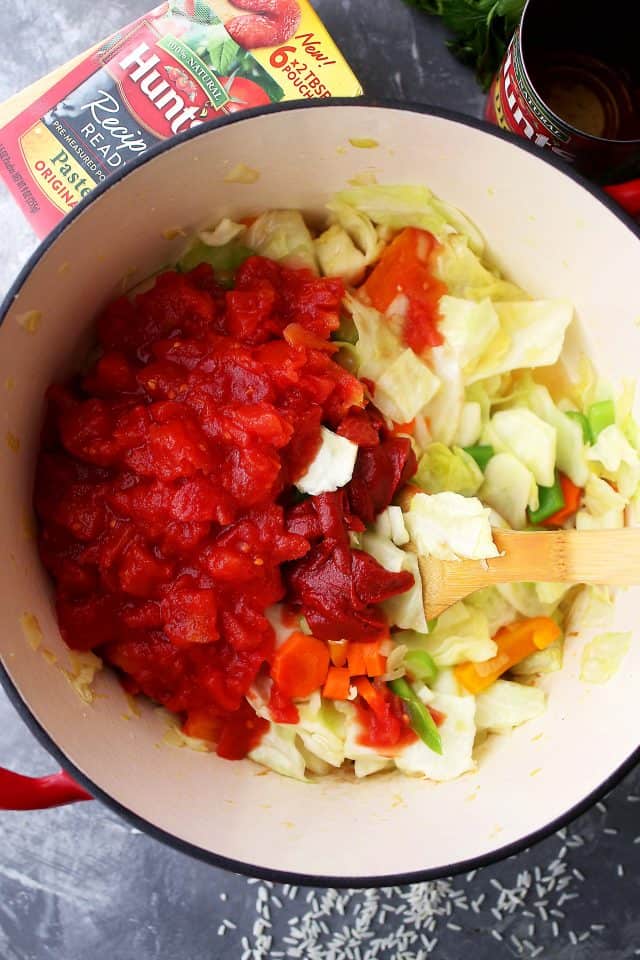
<point>179,66</point>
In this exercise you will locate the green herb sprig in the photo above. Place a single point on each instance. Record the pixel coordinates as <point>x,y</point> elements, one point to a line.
<point>481,30</point>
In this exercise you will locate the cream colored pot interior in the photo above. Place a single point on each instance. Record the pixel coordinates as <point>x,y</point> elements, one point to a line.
<point>551,236</point>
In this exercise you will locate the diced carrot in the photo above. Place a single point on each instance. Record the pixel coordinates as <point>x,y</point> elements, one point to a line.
<point>406,428</point>
<point>515,641</point>
<point>356,659</point>
<point>375,663</point>
<point>337,684</point>
<point>298,336</point>
<point>402,267</point>
<point>369,694</point>
<point>248,221</point>
<point>572,497</point>
<point>300,665</point>
<point>338,652</point>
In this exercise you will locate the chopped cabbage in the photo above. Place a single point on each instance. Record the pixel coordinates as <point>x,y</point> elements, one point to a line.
<point>531,335</point>
<point>445,408</point>
<point>365,766</point>
<point>617,459</point>
<point>224,259</point>
<point>465,276</point>
<point>226,231</point>
<point>332,466</point>
<point>526,599</point>
<point>506,704</point>
<point>349,245</point>
<point>542,661</point>
<point>570,449</point>
<point>527,437</point>
<point>602,656</point>
<point>377,345</point>
<point>592,607</point>
<point>493,605</point>
<point>461,634</point>
<point>441,469</point>
<point>278,751</point>
<point>509,487</point>
<point>283,235</point>
<point>405,387</point>
<point>457,733</point>
<point>449,526</point>
<point>470,424</point>
<point>390,523</point>
<point>411,206</point>
<point>611,520</point>
<point>445,682</point>
<point>405,610</point>
<point>468,327</point>
<point>321,730</point>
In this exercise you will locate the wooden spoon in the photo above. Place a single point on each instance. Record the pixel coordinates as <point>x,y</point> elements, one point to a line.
<point>563,556</point>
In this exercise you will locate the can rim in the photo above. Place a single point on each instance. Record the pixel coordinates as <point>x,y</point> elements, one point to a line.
<point>601,141</point>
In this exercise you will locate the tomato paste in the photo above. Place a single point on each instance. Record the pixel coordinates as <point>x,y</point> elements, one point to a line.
<point>168,517</point>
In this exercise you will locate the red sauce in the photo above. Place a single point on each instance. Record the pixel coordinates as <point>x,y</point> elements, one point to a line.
<point>384,722</point>
<point>164,495</point>
<point>406,267</point>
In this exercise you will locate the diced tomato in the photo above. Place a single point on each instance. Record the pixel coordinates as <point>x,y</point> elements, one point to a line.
<point>168,516</point>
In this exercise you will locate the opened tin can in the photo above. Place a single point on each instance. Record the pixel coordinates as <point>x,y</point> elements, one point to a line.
<point>570,83</point>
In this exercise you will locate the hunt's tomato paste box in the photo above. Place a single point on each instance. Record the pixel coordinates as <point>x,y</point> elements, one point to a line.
<point>183,64</point>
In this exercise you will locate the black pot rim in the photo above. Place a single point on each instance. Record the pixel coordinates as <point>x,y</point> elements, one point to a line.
<point>41,734</point>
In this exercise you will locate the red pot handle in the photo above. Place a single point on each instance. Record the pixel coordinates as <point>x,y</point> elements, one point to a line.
<point>18,792</point>
<point>627,195</point>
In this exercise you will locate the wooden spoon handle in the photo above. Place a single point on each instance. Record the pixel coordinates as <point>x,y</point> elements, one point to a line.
<point>568,556</point>
<point>564,556</point>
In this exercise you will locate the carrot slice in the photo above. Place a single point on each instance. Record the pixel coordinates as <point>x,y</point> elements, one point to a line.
<point>300,665</point>
<point>338,652</point>
<point>572,497</point>
<point>515,642</point>
<point>406,428</point>
<point>336,686</point>
<point>356,659</point>
<point>369,694</point>
<point>375,663</point>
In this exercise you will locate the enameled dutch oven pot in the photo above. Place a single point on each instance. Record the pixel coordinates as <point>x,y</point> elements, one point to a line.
<point>549,230</point>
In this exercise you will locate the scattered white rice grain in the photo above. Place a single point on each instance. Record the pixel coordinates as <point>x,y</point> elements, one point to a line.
<point>497,935</point>
<point>620,870</point>
<point>611,831</point>
<point>633,798</point>
<point>454,926</point>
<point>572,937</point>
<point>516,942</point>
<point>578,874</point>
<point>597,927</point>
<point>222,930</point>
<point>584,936</point>
<point>555,928</point>
<point>601,807</point>
<point>229,924</point>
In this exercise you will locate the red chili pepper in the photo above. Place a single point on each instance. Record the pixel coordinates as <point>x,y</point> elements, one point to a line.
<point>627,195</point>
